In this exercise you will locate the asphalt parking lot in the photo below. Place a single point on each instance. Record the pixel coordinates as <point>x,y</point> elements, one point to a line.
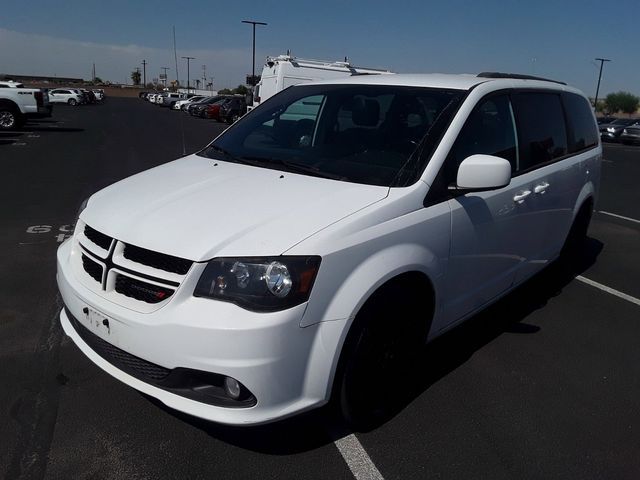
<point>544,384</point>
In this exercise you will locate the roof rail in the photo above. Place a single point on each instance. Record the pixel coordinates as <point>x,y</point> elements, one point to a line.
<point>517,76</point>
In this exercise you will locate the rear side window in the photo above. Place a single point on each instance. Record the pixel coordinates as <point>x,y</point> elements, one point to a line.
<point>583,132</point>
<point>541,128</point>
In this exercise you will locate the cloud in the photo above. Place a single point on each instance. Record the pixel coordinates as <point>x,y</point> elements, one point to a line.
<point>32,54</point>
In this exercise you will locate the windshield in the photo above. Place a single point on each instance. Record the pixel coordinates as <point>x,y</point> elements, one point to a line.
<point>359,133</point>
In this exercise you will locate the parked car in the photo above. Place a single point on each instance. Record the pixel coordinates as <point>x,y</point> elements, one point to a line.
<point>151,97</point>
<point>99,93</point>
<point>183,104</point>
<point>18,104</point>
<point>309,251</point>
<point>630,134</point>
<point>603,120</point>
<point>169,99</point>
<point>66,95</point>
<point>197,109</point>
<point>226,110</point>
<point>90,97</point>
<point>611,131</point>
<point>212,110</point>
<point>143,95</point>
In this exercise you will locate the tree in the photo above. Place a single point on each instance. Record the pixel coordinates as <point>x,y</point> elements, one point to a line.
<point>135,77</point>
<point>97,80</point>
<point>621,102</point>
<point>225,91</point>
<point>241,90</point>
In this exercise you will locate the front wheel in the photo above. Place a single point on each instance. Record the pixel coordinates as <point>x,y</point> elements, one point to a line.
<point>73,102</point>
<point>375,379</point>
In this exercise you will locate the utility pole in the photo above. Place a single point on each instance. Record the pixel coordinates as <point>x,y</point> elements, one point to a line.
<point>144,73</point>
<point>165,75</point>
<point>601,60</point>
<point>204,77</point>
<point>188,59</point>
<point>93,73</point>
<point>253,63</point>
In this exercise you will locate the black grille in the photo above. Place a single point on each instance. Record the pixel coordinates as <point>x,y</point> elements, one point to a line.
<point>96,237</point>
<point>126,362</point>
<point>92,268</point>
<point>143,291</point>
<point>157,260</point>
<point>205,387</point>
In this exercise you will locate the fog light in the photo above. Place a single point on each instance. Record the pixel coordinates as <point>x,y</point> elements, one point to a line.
<point>232,387</point>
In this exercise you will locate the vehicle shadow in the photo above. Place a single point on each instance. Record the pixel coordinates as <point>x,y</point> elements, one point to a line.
<point>440,357</point>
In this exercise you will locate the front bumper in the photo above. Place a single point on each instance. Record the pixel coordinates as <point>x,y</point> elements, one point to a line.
<point>287,368</point>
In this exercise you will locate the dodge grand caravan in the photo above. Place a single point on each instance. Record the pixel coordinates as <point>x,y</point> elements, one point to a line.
<point>309,249</point>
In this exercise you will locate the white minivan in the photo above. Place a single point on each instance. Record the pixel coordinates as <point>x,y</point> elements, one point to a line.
<point>304,254</point>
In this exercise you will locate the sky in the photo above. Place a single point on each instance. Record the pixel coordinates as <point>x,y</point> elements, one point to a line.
<point>557,39</point>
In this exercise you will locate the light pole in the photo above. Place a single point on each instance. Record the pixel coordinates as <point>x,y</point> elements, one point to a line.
<point>253,64</point>
<point>595,102</point>
<point>144,72</point>
<point>188,59</point>
<point>165,75</point>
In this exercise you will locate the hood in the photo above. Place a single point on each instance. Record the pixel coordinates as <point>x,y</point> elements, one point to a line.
<point>198,208</point>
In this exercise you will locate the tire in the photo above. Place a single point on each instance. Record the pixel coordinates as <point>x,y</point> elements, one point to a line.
<point>172,105</point>
<point>73,102</point>
<point>233,118</point>
<point>373,379</point>
<point>9,118</point>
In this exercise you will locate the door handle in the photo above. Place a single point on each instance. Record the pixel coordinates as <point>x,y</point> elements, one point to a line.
<point>541,188</point>
<point>520,197</point>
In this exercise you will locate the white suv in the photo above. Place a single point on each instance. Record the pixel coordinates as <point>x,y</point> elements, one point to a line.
<point>66,95</point>
<point>314,245</point>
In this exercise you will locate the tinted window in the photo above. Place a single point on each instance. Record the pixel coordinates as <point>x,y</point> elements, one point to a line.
<point>541,128</point>
<point>359,133</point>
<point>489,130</point>
<point>583,132</point>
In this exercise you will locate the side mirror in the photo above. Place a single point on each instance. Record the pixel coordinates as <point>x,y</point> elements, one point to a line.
<point>483,172</point>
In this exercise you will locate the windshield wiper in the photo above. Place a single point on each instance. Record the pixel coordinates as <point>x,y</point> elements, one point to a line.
<point>229,156</point>
<point>294,167</point>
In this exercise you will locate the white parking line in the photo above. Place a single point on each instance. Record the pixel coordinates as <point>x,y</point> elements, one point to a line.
<point>610,290</point>
<point>629,219</point>
<point>357,458</point>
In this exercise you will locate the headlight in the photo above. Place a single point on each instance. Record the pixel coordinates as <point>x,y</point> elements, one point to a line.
<point>259,284</point>
<point>611,129</point>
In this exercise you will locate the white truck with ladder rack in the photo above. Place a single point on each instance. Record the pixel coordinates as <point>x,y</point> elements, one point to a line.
<point>284,71</point>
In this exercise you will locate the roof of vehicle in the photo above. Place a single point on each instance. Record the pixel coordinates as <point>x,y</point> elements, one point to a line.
<point>11,83</point>
<point>450,81</point>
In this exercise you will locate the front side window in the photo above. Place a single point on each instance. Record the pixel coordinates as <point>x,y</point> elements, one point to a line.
<point>489,130</point>
<point>541,128</point>
<point>357,133</point>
